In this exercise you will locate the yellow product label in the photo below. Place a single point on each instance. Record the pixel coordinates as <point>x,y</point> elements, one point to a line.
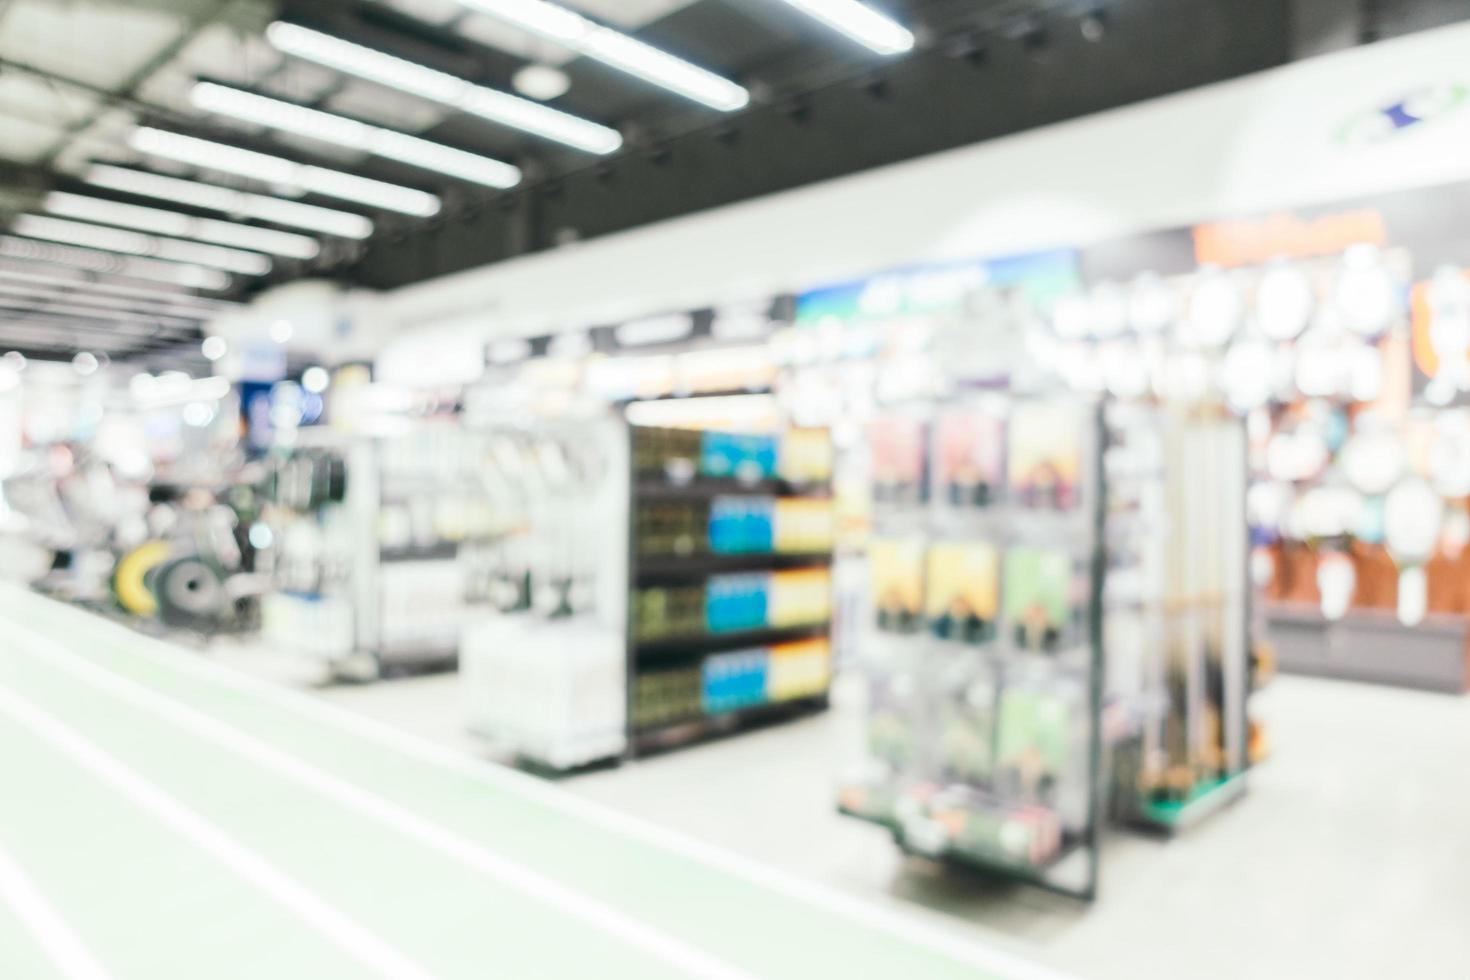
<point>804,525</point>
<point>963,580</point>
<point>798,598</point>
<point>798,670</point>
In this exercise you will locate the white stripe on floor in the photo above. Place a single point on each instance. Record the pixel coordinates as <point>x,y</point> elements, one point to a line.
<point>358,942</point>
<point>62,946</point>
<point>902,923</point>
<point>689,960</point>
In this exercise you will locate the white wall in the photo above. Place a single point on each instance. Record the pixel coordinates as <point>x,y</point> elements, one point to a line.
<point>1255,144</point>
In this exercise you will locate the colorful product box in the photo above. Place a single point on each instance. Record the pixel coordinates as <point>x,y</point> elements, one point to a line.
<point>736,680</point>
<point>729,455</point>
<point>742,525</point>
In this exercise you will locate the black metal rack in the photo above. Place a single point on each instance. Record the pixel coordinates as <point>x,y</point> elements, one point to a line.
<point>692,649</point>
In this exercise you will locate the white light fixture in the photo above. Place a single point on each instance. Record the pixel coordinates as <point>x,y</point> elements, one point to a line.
<point>281,331</point>
<point>85,363</point>
<point>342,131</point>
<point>78,284</point>
<point>262,207</point>
<point>283,172</point>
<point>541,82</point>
<point>154,270</point>
<point>214,348</point>
<point>136,243</point>
<point>49,305</point>
<point>861,23</point>
<point>315,379</point>
<point>436,86</point>
<point>283,243</point>
<point>15,360</point>
<point>587,37</point>
<point>97,304</point>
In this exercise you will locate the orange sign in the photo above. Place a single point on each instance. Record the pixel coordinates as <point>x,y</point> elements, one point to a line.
<point>1234,243</point>
<point>1426,357</point>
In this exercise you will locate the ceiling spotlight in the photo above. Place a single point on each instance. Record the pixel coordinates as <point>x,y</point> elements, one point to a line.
<point>315,379</point>
<point>1094,24</point>
<point>281,331</point>
<point>85,363</point>
<point>15,360</point>
<point>541,82</point>
<point>214,348</point>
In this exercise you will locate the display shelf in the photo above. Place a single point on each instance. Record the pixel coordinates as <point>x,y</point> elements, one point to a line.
<point>984,659</point>
<point>670,502</point>
<point>1176,815</point>
<point>989,864</point>
<point>701,488</point>
<point>680,733</point>
<point>1371,645</point>
<point>706,564</point>
<point>440,551</point>
<point>669,648</point>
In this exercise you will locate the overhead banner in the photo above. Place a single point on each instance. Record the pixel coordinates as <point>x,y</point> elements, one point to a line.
<point>940,287</point>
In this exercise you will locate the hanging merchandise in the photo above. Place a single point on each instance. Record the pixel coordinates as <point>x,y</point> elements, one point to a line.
<point>984,663</point>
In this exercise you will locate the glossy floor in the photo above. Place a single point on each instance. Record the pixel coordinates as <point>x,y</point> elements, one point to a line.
<point>1349,858</point>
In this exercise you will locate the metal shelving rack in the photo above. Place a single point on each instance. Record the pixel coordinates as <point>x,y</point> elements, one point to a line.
<point>698,567</point>
<point>908,803</point>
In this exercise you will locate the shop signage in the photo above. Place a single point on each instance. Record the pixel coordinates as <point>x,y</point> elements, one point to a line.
<point>939,288</point>
<point>1414,108</point>
<point>1253,242</point>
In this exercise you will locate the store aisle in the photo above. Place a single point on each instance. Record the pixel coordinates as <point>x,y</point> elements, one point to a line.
<point>1345,860</point>
<point>180,819</point>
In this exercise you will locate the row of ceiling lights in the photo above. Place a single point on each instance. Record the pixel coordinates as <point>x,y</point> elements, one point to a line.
<point>177,249</point>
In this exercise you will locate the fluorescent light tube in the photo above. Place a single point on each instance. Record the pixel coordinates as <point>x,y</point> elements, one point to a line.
<point>212,197</point>
<point>156,270</point>
<point>861,23</point>
<point>137,243</point>
<point>96,209</point>
<point>571,30</point>
<point>278,170</point>
<point>355,135</point>
<point>167,297</point>
<point>436,86</point>
<point>108,304</point>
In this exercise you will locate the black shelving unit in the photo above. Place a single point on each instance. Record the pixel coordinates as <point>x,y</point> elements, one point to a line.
<point>646,655</point>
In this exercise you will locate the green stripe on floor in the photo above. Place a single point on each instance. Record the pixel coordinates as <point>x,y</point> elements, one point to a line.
<point>761,930</point>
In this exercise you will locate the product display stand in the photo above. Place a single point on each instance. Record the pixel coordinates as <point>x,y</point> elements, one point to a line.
<point>729,567</point>
<point>985,669</point>
<point>1177,612</point>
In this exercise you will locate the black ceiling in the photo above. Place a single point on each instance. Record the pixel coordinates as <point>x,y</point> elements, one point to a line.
<point>821,106</point>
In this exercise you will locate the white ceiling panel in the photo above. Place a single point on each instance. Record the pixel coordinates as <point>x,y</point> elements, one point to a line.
<point>628,14</point>
<point>385,107</point>
<point>226,54</point>
<point>318,151</point>
<point>100,44</point>
<point>501,36</point>
<point>300,81</point>
<point>43,103</point>
<point>25,141</point>
<point>431,11</point>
